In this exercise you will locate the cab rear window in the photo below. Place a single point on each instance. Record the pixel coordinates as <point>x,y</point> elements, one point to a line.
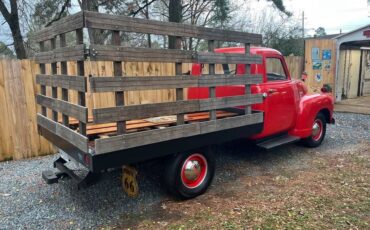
<point>275,70</point>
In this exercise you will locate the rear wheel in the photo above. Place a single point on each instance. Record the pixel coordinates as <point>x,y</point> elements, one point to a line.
<point>318,132</point>
<point>189,174</point>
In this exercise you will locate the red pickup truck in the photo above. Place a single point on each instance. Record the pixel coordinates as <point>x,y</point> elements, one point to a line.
<point>290,113</point>
<point>253,98</point>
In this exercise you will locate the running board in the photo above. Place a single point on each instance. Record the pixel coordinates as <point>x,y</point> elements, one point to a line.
<point>277,141</point>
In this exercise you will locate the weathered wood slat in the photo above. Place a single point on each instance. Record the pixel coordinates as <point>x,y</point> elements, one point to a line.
<point>112,84</point>
<point>64,70</point>
<point>74,53</point>
<point>212,71</point>
<point>128,54</point>
<point>180,118</point>
<point>227,102</point>
<point>123,113</point>
<point>76,139</point>
<point>119,53</point>
<point>43,71</point>
<point>81,96</point>
<point>117,69</point>
<point>127,141</point>
<point>247,88</point>
<point>227,58</point>
<point>64,107</point>
<point>131,112</point>
<point>64,25</point>
<point>77,83</point>
<point>54,69</point>
<point>129,24</point>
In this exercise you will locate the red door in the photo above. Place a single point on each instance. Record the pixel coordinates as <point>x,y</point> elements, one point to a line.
<point>279,99</point>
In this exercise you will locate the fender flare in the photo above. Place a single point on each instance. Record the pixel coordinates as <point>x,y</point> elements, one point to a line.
<point>309,107</point>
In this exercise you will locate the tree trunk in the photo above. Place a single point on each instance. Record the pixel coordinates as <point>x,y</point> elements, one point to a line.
<point>146,12</point>
<point>175,15</point>
<point>12,19</point>
<point>94,34</point>
<point>17,38</point>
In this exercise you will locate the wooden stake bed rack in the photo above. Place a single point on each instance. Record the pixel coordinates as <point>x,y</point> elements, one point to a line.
<point>123,134</point>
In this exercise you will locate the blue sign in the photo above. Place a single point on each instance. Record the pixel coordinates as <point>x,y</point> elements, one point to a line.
<point>317,65</point>
<point>315,53</point>
<point>326,55</point>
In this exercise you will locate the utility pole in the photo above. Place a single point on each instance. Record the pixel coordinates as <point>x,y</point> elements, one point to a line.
<point>303,24</point>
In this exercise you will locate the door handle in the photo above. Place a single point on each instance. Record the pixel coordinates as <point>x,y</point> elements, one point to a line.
<point>271,91</point>
<point>264,96</point>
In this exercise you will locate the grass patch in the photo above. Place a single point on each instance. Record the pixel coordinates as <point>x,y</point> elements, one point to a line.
<point>333,193</point>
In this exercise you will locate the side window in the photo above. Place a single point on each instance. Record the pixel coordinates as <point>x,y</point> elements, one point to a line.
<point>275,70</point>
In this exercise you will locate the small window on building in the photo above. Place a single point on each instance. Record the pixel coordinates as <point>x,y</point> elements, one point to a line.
<point>275,70</point>
<point>229,68</point>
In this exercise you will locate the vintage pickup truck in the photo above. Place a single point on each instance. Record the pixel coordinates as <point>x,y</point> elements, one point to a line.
<point>290,113</point>
<point>251,97</point>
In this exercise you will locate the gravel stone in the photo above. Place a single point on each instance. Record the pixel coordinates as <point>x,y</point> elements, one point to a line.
<point>27,202</point>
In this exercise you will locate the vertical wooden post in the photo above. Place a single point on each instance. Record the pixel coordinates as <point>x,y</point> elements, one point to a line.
<point>179,91</point>
<point>212,71</point>
<point>63,69</point>
<point>119,96</point>
<point>54,90</point>
<point>43,71</point>
<point>248,109</point>
<point>81,72</point>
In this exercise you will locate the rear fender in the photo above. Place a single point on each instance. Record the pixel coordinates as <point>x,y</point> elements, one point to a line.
<point>309,107</point>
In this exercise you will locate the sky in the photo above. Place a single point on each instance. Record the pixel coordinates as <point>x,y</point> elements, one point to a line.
<point>333,15</point>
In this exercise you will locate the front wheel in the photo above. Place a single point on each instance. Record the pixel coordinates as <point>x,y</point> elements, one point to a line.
<point>189,174</point>
<point>318,132</point>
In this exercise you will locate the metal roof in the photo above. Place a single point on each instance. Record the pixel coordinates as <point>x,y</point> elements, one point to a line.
<point>353,31</point>
<point>328,36</point>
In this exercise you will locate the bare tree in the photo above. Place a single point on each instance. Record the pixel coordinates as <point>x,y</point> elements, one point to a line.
<point>174,15</point>
<point>11,17</point>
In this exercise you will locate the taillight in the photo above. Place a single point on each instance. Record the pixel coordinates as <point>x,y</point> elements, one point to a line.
<point>87,159</point>
<point>324,90</point>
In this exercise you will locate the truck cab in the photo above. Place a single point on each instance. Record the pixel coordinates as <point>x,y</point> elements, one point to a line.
<point>289,111</point>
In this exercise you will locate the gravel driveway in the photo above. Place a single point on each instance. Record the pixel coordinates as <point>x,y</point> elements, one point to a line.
<point>26,202</point>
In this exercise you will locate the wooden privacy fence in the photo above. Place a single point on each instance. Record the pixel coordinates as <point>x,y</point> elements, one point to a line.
<point>295,65</point>
<point>18,128</point>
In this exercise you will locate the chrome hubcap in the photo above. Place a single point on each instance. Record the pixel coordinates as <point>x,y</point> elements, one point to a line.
<point>315,129</point>
<point>192,170</point>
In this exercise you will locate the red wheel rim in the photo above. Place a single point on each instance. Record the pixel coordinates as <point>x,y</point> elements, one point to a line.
<point>194,170</point>
<point>317,130</point>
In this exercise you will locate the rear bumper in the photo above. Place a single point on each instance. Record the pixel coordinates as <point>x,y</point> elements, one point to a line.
<point>52,177</point>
